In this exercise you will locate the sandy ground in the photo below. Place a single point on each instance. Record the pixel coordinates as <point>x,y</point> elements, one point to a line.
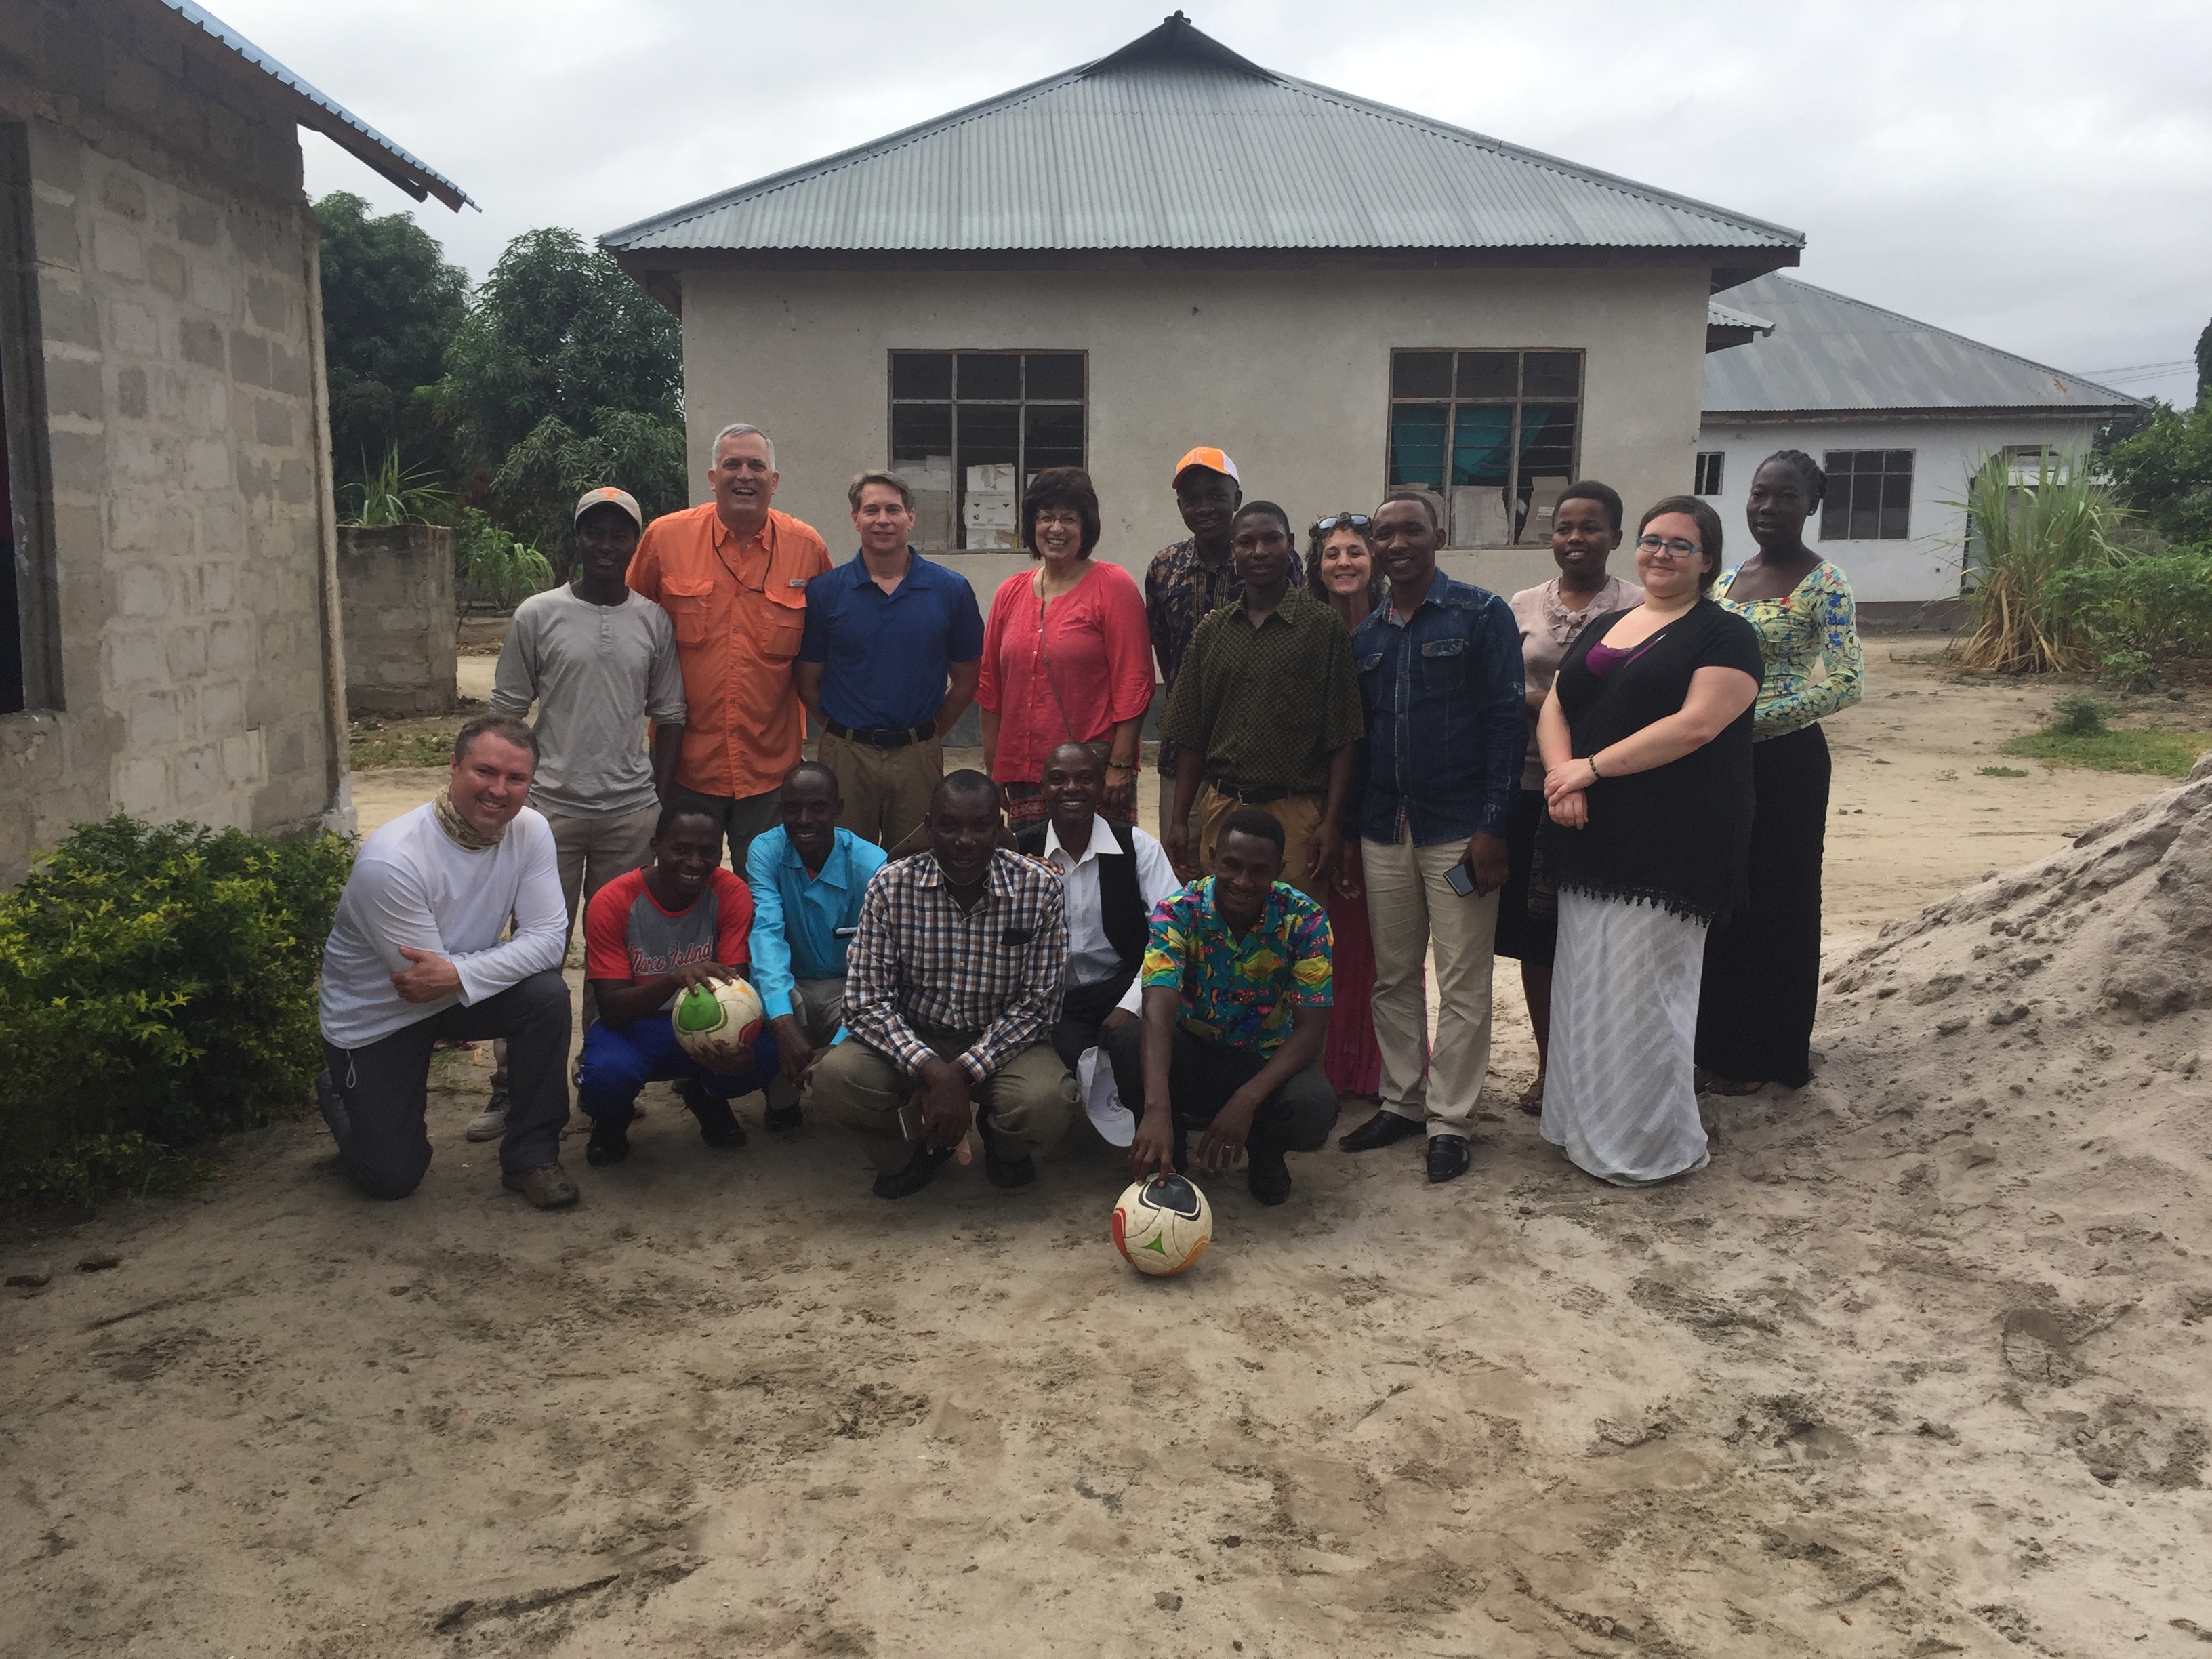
<point>1897,1375</point>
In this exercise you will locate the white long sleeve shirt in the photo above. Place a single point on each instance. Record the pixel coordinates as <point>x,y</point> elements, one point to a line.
<point>1091,956</point>
<point>413,885</point>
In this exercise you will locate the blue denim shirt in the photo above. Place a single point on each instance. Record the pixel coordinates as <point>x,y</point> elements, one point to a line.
<point>1446,731</point>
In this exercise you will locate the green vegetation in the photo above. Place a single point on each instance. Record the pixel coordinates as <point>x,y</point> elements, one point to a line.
<point>491,567</point>
<point>2139,614</point>
<point>2164,471</point>
<point>2003,772</point>
<point>157,989</point>
<point>2077,735</point>
<point>372,746</point>
<point>2019,537</point>
<point>393,494</point>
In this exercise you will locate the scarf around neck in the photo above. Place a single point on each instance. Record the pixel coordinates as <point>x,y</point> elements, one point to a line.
<point>464,833</point>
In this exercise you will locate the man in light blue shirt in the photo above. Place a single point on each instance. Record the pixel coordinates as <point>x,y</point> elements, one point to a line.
<point>807,879</point>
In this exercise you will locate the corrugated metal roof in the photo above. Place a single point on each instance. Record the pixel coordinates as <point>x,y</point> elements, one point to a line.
<point>329,116</point>
<point>1830,353</point>
<point>1720,316</point>
<point>1175,143</point>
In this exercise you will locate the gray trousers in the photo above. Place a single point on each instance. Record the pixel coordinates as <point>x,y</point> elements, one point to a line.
<point>818,1004</point>
<point>1029,1101</point>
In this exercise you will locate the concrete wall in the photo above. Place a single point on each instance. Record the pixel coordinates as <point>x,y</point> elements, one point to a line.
<point>1946,452</point>
<point>402,632</point>
<point>184,519</point>
<point>1287,371</point>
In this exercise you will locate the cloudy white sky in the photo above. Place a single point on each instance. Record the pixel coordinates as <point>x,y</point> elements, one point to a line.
<point>2035,175</point>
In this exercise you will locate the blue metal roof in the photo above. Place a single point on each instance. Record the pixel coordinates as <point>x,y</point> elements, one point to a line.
<point>329,117</point>
<point>1175,143</point>
<point>1830,353</point>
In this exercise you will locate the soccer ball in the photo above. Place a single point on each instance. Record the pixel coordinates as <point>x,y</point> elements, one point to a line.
<point>1162,1225</point>
<point>718,1020</point>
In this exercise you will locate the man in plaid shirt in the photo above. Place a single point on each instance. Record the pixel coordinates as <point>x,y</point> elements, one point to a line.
<point>951,987</point>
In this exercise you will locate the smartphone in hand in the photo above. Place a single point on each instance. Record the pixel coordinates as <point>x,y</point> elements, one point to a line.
<point>1461,879</point>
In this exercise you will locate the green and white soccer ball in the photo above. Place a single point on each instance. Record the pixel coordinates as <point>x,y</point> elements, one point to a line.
<point>718,1020</point>
<point>1162,1225</point>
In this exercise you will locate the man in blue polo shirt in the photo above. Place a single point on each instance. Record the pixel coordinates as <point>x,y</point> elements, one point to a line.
<point>807,879</point>
<point>888,664</point>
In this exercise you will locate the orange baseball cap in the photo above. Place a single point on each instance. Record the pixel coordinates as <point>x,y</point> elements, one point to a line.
<point>622,499</point>
<point>1212,458</point>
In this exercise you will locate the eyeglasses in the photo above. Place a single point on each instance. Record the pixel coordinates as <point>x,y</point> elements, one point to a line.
<point>1675,550</point>
<point>1359,521</point>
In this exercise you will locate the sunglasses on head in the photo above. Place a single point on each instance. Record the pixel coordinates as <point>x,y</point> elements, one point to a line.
<point>1359,521</point>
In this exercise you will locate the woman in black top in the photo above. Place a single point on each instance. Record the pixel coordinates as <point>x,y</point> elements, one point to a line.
<point>1646,740</point>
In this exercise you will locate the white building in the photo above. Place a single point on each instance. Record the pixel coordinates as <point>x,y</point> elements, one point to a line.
<point>1899,414</point>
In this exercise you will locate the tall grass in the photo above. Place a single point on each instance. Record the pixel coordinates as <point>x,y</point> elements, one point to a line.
<point>394,494</point>
<point>2018,537</point>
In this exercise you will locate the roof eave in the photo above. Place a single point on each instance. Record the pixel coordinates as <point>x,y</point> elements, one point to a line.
<point>644,262</point>
<point>1963,412</point>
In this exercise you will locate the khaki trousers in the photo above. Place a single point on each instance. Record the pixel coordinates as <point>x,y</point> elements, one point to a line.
<point>1410,907</point>
<point>1300,814</point>
<point>818,1005</point>
<point>1031,1100</point>
<point>886,790</point>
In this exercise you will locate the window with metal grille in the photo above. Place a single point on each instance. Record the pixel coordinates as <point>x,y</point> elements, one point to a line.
<point>1492,437</point>
<point>1869,495</point>
<point>969,429</point>
<point>1709,473</point>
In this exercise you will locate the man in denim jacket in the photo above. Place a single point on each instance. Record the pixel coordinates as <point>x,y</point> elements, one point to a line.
<point>1440,681</point>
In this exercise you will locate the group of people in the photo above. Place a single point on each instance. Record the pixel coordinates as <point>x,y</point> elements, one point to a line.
<point>1364,762</point>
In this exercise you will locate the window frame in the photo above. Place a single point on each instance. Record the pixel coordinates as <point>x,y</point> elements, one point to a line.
<point>1518,488</point>
<point>1708,474</point>
<point>1021,403</point>
<point>22,391</point>
<point>1846,467</point>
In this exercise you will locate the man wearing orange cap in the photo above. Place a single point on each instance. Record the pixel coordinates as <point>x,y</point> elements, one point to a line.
<point>1190,579</point>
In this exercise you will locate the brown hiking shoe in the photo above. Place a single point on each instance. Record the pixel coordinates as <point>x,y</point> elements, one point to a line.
<point>547,1185</point>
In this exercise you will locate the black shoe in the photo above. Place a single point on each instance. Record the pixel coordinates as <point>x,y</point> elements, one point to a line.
<point>921,1170</point>
<point>718,1124</point>
<point>1268,1175</point>
<point>610,1142</point>
<point>1447,1158</point>
<point>1385,1129</point>
<point>1005,1173</point>
<point>780,1118</point>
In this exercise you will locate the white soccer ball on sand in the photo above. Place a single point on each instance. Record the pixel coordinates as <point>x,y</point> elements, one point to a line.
<point>1162,1225</point>
<point>717,1023</point>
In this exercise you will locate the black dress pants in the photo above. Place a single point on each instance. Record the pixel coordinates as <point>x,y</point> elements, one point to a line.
<point>1202,1075</point>
<point>382,1087</point>
<point>1082,1011</point>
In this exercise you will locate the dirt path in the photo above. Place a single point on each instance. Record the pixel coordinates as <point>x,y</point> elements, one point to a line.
<point>731,1404</point>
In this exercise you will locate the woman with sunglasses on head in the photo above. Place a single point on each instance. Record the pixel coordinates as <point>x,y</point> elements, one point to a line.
<point>1340,568</point>
<point>1586,528</point>
<point>1646,740</point>
<point>1067,655</point>
<point>1762,980</point>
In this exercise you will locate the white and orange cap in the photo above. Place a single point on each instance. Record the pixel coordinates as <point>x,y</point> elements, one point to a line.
<point>621,498</point>
<point>1215,459</point>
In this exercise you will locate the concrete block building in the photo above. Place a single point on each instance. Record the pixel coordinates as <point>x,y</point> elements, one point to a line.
<point>169,637</point>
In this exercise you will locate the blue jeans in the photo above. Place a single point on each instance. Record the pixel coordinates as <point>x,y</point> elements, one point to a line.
<point>620,1061</point>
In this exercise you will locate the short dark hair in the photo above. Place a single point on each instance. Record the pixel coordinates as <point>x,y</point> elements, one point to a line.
<point>808,769</point>
<point>1428,504</point>
<point>1253,508</point>
<point>1709,529</point>
<point>505,727</point>
<point>1252,821</point>
<point>1316,537</point>
<point>684,809</point>
<point>1809,475</point>
<point>862,480</point>
<point>967,784</point>
<point>1589,489</point>
<point>1061,486</point>
<point>1087,751</point>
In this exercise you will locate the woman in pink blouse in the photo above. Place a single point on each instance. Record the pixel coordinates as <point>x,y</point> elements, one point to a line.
<point>1067,657</point>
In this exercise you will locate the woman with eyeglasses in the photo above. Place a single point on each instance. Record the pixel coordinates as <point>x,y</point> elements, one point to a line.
<point>1762,981</point>
<point>1340,568</point>
<point>1067,655</point>
<point>1646,740</point>
<point>1586,528</point>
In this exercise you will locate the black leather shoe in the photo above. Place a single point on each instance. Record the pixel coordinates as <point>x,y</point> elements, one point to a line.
<point>1447,1158</point>
<point>610,1142</point>
<point>718,1124</point>
<point>1267,1174</point>
<point>780,1118</point>
<point>1003,1172</point>
<point>1385,1129</point>
<point>921,1170</point>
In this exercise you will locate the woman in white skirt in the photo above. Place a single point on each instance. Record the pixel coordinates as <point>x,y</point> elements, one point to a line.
<point>1646,741</point>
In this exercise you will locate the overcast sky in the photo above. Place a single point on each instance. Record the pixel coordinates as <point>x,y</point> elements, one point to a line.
<point>2038,176</point>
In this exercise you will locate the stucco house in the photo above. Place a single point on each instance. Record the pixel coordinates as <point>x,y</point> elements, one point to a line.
<point>170,644</point>
<point>1900,413</point>
<point>1174,246</point>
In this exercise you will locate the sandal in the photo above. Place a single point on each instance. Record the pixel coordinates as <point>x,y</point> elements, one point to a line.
<point>1532,1097</point>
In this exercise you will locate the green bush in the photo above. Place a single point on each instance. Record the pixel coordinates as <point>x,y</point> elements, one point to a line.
<point>157,988</point>
<point>490,566</point>
<point>2141,613</point>
<point>2077,716</point>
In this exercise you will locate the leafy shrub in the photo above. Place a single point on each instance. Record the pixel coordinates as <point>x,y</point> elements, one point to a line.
<point>2138,614</point>
<point>2077,716</point>
<point>157,988</point>
<point>491,567</point>
<point>2019,537</point>
<point>395,493</point>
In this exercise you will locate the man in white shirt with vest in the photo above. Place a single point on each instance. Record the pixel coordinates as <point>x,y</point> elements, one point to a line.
<point>416,954</point>
<point>1113,874</point>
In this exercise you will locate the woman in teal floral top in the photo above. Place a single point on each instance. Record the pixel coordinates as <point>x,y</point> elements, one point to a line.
<point>1762,978</point>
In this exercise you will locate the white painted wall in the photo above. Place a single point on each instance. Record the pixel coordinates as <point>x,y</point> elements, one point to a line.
<point>1946,452</point>
<point>1287,371</point>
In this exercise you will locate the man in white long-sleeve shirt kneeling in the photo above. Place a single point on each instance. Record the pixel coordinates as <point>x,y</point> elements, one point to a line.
<point>416,955</point>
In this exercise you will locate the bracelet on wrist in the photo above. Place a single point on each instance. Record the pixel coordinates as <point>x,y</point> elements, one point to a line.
<point>1591,761</point>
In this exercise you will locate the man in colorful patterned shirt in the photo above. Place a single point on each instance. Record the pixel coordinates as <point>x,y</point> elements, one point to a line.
<point>1237,989</point>
<point>650,936</point>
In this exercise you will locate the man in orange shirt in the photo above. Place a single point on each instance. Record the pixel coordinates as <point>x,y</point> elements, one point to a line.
<point>733,576</point>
